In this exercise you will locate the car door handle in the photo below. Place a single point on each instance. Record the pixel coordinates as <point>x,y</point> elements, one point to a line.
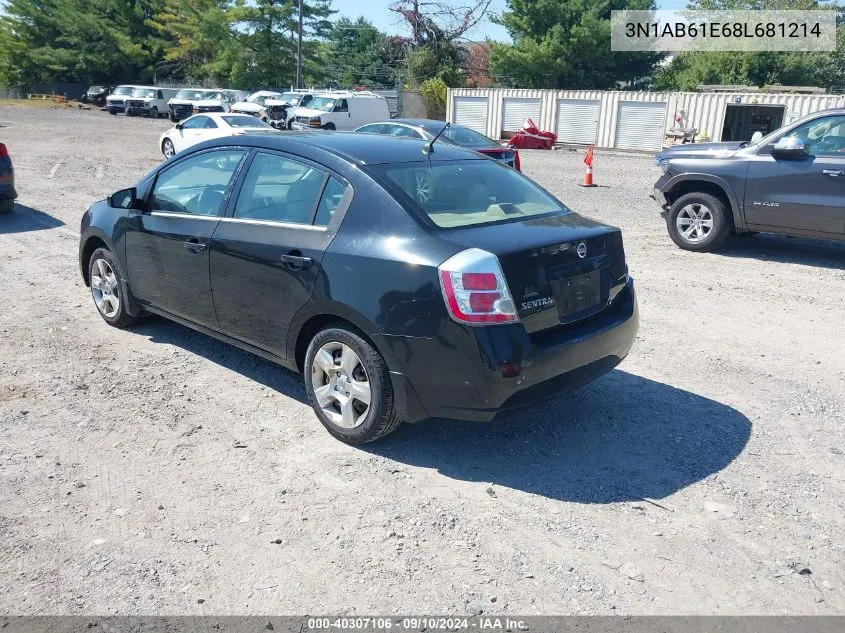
<point>296,261</point>
<point>833,172</point>
<point>195,246</point>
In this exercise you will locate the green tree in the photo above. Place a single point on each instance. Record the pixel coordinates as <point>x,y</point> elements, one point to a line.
<point>359,54</point>
<point>566,45</point>
<point>78,40</point>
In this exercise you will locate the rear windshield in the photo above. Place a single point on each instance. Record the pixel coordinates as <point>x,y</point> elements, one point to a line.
<point>123,90</point>
<point>191,94</point>
<point>245,121</point>
<point>469,193</point>
<point>462,136</point>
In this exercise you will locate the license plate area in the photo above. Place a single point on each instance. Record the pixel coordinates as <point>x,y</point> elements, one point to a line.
<point>578,296</point>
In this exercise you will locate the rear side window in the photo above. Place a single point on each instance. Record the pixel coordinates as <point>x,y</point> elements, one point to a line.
<point>332,198</point>
<point>464,193</point>
<point>278,189</point>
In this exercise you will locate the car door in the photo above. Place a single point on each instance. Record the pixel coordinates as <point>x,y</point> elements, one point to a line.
<point>191,132</point>
<point>804,193</point>
<point>266,254</point>
<point>342,115</point>
<point>167,243</point>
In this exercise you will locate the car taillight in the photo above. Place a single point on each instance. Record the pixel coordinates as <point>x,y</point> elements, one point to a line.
<point>475,290</point>
<point>517,165</point>
<point>4,152</point>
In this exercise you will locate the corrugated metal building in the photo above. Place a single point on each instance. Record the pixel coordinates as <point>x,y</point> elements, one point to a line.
<point>629,120</point>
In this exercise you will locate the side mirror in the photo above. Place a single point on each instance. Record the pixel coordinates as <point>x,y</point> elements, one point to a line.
<point>124,199</point>
<point>179,126</point>
<point>790,147</point>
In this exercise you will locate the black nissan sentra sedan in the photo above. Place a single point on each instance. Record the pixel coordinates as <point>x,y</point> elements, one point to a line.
<point>404,280</point>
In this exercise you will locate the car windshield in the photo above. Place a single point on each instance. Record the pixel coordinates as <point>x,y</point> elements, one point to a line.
<point>460,135</point>
<point>245,121</point>
<point>322,103</point>
<point>212,96</point>
<point>96,89</point>
<point>292,98</point>
<point>144,92</point>
<point>192,94</point>
<point>259,98</point>
<point>469,193</point>
<point>123,90</point>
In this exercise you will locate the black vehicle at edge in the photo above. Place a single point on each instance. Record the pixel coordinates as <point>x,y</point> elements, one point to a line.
<point>457,322</point>
<point>791,182</point>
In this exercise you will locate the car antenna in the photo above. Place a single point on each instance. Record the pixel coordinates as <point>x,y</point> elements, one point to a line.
<point>428,148</point>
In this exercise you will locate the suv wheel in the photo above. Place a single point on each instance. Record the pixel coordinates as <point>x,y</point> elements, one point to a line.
<point>348,384</point>
<point>154,112</point>
<point>698,222</point>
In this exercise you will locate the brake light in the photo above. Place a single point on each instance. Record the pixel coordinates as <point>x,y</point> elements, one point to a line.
<point>517,165</point>
<point>4,152</point>
<point>475,290</point>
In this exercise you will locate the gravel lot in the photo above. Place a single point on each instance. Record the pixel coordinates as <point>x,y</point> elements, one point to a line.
<point>159,471</point>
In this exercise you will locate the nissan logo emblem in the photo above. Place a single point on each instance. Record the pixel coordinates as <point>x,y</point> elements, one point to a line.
<point>581,250</point>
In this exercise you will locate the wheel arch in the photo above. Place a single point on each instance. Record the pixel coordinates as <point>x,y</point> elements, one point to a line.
<point>306,324</point>
<point>706,183</point>
<point>91,243</point>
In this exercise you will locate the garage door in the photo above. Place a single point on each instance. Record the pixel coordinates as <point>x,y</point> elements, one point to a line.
<point>515,111</point>
<point>472,113</point>
<point>577,121</point>
<point>640,125</point>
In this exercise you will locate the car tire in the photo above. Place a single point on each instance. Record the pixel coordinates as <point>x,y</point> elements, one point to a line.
<point>167,148</point>
<point>329,126</point>
<point>113,112</point>
<point>106,284</point>
<point>333,397</point>
<point>154,113</point>
<point>6,205</point>
<point>698,222</point>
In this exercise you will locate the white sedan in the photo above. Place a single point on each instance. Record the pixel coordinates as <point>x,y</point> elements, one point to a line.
<point>204,127</point>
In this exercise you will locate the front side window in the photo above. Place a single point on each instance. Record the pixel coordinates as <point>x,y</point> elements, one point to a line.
<point>375,128</point>
<point>196,122</point>
<point>822,137</point>
<point>342,106</point>
<point>454,194</point>
<point>278,189</point>
<point>196,185</point>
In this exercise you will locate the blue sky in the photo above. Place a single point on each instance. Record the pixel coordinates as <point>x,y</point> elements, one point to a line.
<point>377,12</point>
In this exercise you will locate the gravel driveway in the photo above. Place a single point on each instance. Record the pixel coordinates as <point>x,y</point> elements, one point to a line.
<point>159,471</point>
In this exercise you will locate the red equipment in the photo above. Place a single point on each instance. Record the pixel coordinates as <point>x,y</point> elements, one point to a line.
<point>530,137</point>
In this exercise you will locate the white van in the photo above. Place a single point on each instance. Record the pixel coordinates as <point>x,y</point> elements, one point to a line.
<point>181,106</point>
<point>149,101</point>
<point>341,111</point>
<point>213,101</point>
<point>254,104</point>
<point>116,101</point>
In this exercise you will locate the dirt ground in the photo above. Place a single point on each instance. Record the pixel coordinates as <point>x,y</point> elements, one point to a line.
<point>157,471</point>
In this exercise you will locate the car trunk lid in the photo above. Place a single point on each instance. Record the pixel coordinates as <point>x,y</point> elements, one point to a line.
<point>559,269</point>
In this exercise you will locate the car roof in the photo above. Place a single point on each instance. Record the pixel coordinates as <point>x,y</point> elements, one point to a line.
<point>363,149</point>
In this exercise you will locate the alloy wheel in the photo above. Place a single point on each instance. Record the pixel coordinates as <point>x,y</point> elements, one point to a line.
<point>694,222</point>
<point>341,385</point>
<point>105,288</point>
<point>167,148</point>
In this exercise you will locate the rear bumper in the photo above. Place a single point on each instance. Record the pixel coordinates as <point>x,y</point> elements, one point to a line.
<point>489,370</point>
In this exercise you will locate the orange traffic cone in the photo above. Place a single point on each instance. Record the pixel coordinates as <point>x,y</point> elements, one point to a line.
<point>588,176</point>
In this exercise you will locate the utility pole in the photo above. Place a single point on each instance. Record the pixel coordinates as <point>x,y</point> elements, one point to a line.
<point>299,50</point>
